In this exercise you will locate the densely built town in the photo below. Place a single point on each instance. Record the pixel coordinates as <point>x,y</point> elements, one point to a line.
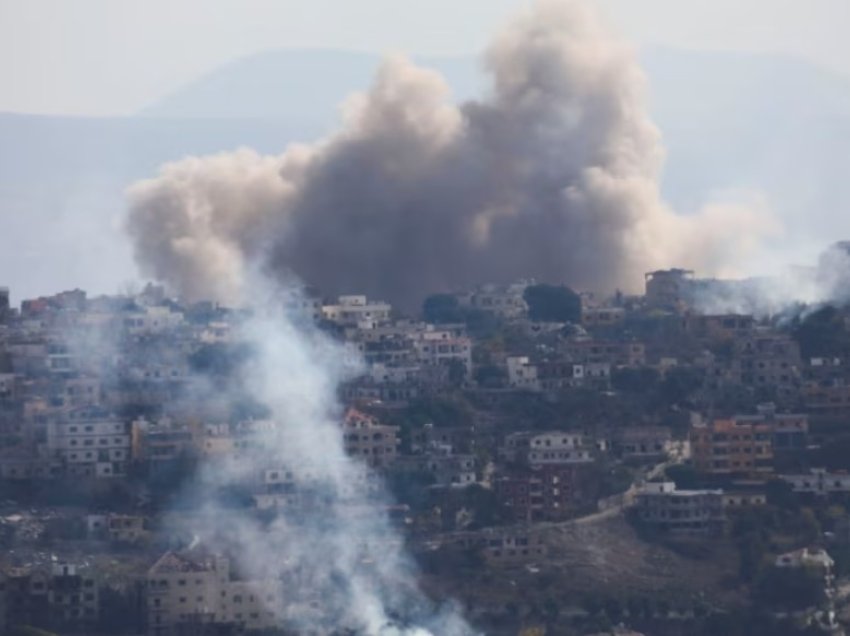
<point>558,463</point>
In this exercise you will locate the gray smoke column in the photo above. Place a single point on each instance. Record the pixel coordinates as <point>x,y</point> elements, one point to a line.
<point>552,174</point>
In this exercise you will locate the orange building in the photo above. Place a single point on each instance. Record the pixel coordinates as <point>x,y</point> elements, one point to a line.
<point>725,447</point>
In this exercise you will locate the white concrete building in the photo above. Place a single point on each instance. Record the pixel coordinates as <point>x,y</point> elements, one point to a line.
<point>522,374</point>
<point>558,448</point>
<point>152,320</point>
<point>196,588</point>
<point>435,347</point>
<point>549,448</point>
<point>90,445</point>
<point>357,311</point>
<point>819,482</point>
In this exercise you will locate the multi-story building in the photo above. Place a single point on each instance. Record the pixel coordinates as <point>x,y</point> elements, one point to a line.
<point>830,397</point>
<point>819,482</point>
<point>545,492</point>
<point>164,443</point>
<point>789,431</point>
<point>744,499</point>
<point>727,447</point>
<point>770,359</point>
<point>643,442</point>
<point>197,590</point>
<point>79,391</point>
<point>522,374</point>
<point>615,353</point>
<point>498,546</point>
<point>602,316</point>
<point>441,347</point>
<point>685,512</point>
<point>506,301</point>
<point>117,528</point>
<point>669,289</point>
<point>90,443</point>
<point>357,311</point>
<point>152,320</point>
<point>459,439</point>
<point>554,447</point>
<point>61,596</point>
<point>366,438</point>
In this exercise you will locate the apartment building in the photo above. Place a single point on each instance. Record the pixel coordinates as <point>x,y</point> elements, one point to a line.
<point>819,481</point>
<point>365,437</point>
<point>554,447</point>
<point>116,527</point>
<point>546,492</point>
<point>643,443</point>
<point>669,289</point>
<point>508,547</point>
<point>90,443</point>
<point>685,512</point>
<point>59,596</point>
<point>727,447</point>
<point>506,301</point>
<point>196,589</point>
<point>615,353</point>
<point>441,347</point>
<point>595,317</point>
<point>357,311</point>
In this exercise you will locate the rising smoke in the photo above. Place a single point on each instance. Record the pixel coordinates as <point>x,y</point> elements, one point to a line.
<point>553,174</point>
<point>343,566</point>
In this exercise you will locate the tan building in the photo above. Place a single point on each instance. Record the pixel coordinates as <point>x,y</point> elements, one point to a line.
<point>364,437</point>
<point>668,289</point>
<point>726,447</point>
<point>196,588</point>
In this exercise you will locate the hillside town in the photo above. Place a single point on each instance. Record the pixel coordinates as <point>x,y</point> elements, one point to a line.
<point>557,462</point>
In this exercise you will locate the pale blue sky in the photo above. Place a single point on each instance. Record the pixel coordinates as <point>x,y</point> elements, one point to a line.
<point>108,57</point>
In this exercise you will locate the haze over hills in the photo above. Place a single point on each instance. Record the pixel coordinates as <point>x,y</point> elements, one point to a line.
<point>730,121</point>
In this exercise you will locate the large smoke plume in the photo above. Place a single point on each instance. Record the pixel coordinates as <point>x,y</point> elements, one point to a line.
<point>553,174</point>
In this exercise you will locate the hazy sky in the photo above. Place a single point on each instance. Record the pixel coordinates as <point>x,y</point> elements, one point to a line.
<point>115,56</point>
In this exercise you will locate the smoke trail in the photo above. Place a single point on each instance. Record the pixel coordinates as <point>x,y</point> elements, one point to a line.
<point>552,174</point>
<point>335,546</point>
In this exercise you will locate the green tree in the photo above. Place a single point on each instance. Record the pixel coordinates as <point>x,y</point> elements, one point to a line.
<point>790,588</point>
<point>641,380</point>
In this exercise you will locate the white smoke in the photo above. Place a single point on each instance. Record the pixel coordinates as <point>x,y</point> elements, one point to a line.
<point>552,174</point>
<point>337,547</point>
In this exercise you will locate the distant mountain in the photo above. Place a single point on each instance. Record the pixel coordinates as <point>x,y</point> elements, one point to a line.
<point>62,183</point>
<point>294,84</point>
<point>730,121</point>
<point>765,122</point>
